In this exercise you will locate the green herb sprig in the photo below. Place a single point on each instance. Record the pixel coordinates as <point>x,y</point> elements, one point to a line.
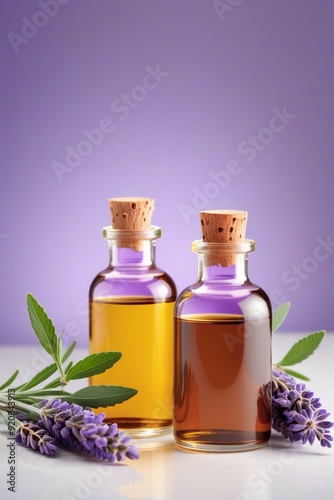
<point>40,388</point>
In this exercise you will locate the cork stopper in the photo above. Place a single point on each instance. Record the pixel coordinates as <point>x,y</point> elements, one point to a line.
<point>131,214</point>
<point>223,226</point>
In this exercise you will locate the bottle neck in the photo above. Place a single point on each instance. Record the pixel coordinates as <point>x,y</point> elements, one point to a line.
<point>234,274</point>
<point>131,250</point>
<point>126,258</point>
<point>225,263</point>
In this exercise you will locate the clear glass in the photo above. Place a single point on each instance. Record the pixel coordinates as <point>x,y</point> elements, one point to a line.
<point>222,356</point>
<point>131,311</point>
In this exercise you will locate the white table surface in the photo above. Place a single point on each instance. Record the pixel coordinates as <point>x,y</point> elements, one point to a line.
<point>280,470</point>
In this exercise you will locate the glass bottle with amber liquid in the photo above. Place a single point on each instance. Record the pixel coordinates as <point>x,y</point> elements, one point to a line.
<point>131,311</point>
<point>222,345</point>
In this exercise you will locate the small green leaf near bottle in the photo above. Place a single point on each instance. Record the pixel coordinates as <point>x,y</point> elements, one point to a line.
<point>301,349</point>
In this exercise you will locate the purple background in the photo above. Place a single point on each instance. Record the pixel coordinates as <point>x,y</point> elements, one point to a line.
<point>226,74</point>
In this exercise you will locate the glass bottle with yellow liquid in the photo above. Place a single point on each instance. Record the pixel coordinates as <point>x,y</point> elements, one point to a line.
<point>131,311</point>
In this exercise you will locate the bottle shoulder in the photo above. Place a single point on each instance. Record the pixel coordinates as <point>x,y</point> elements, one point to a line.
<point>149,282</point>
<point>221,288</point>
<point>247,299</point>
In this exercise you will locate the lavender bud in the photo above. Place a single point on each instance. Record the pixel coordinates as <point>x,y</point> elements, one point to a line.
<point>33,436</point>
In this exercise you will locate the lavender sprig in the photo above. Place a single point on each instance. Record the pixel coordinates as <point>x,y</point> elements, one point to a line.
<point>296,413</point>
<point>74,427</point>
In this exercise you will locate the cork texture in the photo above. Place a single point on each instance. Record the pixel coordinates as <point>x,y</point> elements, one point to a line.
<point>223,226</point>
<point>131,214</point>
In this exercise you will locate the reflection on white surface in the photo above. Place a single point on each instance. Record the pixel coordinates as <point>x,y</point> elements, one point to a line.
<point>166,473</point>
<point>154,468</point>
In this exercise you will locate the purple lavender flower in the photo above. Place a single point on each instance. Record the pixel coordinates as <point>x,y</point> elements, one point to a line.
<point>33,436</point>
<point>310,424</point>
<point>75,427</point>
<point>296,413</point>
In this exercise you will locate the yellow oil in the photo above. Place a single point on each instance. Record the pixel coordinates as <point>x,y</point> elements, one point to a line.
<point>143,332</point>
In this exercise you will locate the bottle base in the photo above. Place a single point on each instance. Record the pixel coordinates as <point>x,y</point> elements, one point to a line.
<point>220,441</point>
<point>142,428</point>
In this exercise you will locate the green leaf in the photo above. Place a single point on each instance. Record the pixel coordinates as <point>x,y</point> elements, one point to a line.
<point>68,367</point>
<point>54,383</point>
<point>296,374</point>
<point>43,327</point>
<point>59,347</point>
<point>93,364</point>
<point>101,395</point>
<point>46,393</point>
<point>40,377</point>
<point>302,349</point>
<point>69,351</point>
<point>279,315</point>
<point>10,380</point>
